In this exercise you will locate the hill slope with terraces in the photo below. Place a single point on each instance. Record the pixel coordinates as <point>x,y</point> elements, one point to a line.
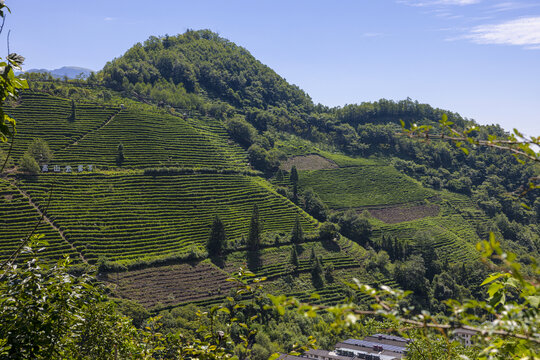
<point>215,137</point>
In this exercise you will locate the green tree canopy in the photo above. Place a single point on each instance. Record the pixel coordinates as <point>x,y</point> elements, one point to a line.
<point>40,151</point>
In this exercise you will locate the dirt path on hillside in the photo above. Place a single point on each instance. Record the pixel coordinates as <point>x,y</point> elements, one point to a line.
<point>48,220</point>
<point>92,131</point>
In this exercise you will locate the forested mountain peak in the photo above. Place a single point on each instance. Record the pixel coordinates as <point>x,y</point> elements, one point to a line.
<point>199,62</point>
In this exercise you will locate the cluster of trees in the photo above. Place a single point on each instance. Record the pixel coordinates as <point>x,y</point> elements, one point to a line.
<point>37,154</point>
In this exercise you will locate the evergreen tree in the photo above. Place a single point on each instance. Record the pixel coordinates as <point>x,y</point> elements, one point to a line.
<point>316,273</point>
<point>120,155</point>
<point>294,258</point>
<point>217,239</point>
<point>279,175</point>
<point>73,111</point>
<point>254,237</point>
<point>294,175</point>
<point>295,193</point>
<point>312,256</point>
<point>297,235</point>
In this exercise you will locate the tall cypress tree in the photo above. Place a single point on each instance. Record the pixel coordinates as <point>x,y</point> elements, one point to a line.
<point>297,235</point>
<point>217,239</point>
<point>73,111</point>
<point>316,273</point>
<point>120,155</point>
<point>294,258</point>
<point>294,175</point>
<point>254,238</point>
<point>312,256</point>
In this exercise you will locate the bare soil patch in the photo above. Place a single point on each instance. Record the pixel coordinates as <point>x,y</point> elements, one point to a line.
<point>171,285</point>
<point>309,162</point>
<point>397,214</point>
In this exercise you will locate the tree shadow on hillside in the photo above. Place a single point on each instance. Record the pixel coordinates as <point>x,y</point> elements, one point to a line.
<point>330,245</point>
<point>254,260</point>
<point>219,260</point>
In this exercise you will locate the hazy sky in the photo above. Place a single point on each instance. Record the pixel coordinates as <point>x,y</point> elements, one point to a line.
<point>480,58</point>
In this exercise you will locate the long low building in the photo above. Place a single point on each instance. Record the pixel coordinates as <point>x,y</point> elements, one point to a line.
<point>374,347</point>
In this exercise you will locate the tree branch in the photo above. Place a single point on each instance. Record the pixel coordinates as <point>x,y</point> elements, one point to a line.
<point>494,143</point>
<point>431,325</point>
<point>8,154</point>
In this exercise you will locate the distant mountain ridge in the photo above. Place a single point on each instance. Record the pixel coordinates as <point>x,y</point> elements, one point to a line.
<point>70,71</point>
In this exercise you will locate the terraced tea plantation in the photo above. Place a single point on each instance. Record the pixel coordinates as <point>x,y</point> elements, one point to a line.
<point>451,219</point>
<point>151,139</point>
<point>454,237</point>
<point>17,220</point>
<point>48,117</point>
<point>126,216</point>
<point>130,214</point>
<point>274,262</point>
<point>359,186</point>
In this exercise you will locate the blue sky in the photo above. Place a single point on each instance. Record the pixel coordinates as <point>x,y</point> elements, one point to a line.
<point>477,57</point>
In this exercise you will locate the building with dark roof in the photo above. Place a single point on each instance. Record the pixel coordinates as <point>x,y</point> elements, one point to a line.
<point>374,347</point>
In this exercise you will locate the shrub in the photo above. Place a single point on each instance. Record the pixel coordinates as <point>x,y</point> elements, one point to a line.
<point>29,164</point>
<point>241,131</point>
<point>328,231</point>
<point>40,151</point>
<point>314,205</point>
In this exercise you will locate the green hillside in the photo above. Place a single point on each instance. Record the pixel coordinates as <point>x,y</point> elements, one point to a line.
<point>18,219</point>
<point>399,206</point>
<point>150,138</point>
<point>41,115</point>
<point>184,128</point>
<point>134,216</point>
<point>355,187</point>
<point>154,140</point>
